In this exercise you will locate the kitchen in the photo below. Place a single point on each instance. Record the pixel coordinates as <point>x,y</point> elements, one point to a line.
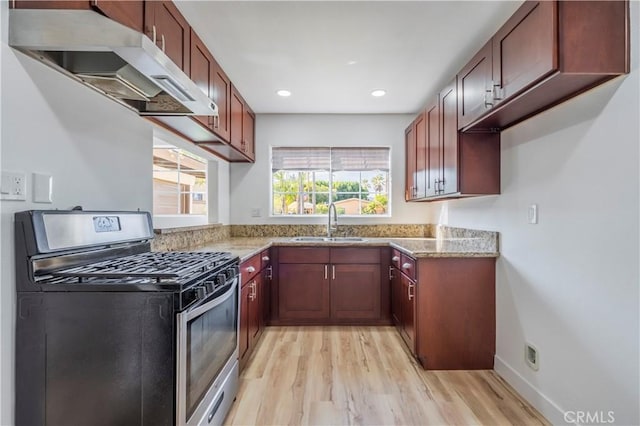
<point>567,284</point>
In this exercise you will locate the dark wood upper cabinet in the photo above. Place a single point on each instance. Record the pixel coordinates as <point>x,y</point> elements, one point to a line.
<point>410,162</point>
<point>129,13</point>
<point>475,87</point>
<point>432,116</point>
<point>420,181</point>
<point>248,131</point>
<point>545,54</point>
<point>164,24</point>
<point>222,97</point>
<point>448,182</point>
<point>201,73</point>
<point>525,48</point>
<point>237,105</point>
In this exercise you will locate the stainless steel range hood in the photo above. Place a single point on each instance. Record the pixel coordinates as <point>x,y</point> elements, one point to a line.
<point>111,58</point>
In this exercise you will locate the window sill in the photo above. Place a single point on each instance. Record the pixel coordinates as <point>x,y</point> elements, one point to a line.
<point>168,222</point>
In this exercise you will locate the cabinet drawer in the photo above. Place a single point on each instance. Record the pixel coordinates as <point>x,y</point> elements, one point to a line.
<point>355,255</point>
<point>408,266</point>
<point>250,268</point>
<point>265,259</point>
<point>303,255</point>
<point>396,258</point>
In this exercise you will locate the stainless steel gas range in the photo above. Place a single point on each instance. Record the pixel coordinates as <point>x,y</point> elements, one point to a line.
<point>110,333</point>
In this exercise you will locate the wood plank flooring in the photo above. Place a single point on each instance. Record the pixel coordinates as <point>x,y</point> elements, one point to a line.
<point>364,376</point>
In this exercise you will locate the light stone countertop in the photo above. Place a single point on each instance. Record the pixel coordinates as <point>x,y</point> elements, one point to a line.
<point>246,247</point>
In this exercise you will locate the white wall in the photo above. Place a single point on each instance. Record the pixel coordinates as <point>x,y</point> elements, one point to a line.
<point>569,284</point>
<point>250,184</point>
<point>98,153</point>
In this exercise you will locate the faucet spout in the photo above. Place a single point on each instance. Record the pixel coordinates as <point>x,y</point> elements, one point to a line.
<point>332,227</point>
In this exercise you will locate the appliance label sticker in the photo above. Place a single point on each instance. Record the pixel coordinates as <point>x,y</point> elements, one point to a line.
<point>106,223</point>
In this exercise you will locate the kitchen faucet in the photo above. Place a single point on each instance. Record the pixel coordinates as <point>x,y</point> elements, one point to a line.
<point>333,227</point>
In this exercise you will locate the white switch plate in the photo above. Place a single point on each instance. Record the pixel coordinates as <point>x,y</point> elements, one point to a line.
<point>42,188</point>
<point>13,186</point>
<point>532,214</point>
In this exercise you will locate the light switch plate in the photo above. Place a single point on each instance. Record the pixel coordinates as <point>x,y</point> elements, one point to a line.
<point>532,214</point>
<point>13,186</point>
<point>42,188</point>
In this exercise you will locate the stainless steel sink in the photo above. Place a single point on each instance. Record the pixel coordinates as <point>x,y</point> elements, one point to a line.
<point>326,239</point>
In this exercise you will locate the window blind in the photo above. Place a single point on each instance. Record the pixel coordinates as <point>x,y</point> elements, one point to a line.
<point>359,159</point>
<point>338,159</point>
<point>301,159</point>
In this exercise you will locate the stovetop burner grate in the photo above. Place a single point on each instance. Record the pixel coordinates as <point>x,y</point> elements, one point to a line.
<point>152,265</point>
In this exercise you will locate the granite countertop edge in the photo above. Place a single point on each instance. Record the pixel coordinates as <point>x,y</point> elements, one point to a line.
<point>246,247</point>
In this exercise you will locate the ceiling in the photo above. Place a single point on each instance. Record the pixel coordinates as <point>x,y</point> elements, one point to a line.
<point>332,54</point>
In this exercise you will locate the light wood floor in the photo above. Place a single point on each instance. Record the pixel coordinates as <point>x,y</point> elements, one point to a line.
<point>364,376</point>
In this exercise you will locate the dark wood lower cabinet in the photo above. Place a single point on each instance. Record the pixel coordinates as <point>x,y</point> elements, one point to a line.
<point>408,312</point>
<point>355,292</point>
<point>304,291</point>
<point>243,338</point>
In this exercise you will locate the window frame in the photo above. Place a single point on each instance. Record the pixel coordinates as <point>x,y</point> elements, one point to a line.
<point>331,191</point>
<point>179,193</point>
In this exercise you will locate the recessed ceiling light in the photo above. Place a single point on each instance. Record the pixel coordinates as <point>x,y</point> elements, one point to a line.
<point>378,92</point>
<point>352,62</point>
<point>284,93</point>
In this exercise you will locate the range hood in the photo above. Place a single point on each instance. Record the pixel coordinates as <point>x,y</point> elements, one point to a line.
<point>109,57</point>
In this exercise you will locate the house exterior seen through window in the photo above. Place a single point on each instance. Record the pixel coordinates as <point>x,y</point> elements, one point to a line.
<point>305,181</point>
<point>179,182</point>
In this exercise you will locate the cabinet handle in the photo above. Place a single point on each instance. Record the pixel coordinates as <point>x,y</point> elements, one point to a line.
<point>390,272</point>
<point>163,45</point>
<point>498,92</point>
<point>325,271</point>
<point>153,34</point>
<point>333,272</point>
<point>216,120</point>
<point>265,258</point>
<point>410,291</point>
<point>406,265</point>
<point>395,258</point>
<point>251,269</point>
<point>488,104</point>
<point>270,272</point>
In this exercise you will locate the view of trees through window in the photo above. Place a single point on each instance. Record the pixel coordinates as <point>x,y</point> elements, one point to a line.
<point>179,182</point>
<point>359,191</point>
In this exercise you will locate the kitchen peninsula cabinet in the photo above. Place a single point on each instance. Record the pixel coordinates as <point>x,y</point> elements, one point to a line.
<point>323,285</point>
<point>254,288</point>
<point>444,310</point>
<point>165,25</point>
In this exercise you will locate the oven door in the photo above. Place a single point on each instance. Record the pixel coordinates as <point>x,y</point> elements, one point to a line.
<point>207,359</point>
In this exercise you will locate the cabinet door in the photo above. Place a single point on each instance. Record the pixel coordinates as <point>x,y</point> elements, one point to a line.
<point>355,291</point>
<point>222,97</point>
<point>432,117</point>
<point>408,312</point>
<point>421,156</point>
<point>255,310</point>
<point>248,123</point>
<point>243,338</point>
<point>410,162</point>
<point>396,297</point>
<point>236,119</point>
<point>475,87</point>
<point>525,48</point>
<point>172,31</point>
<point>303,291</point>
<point>129,13</point>
<point>449,139</point>
<point>201,72</point>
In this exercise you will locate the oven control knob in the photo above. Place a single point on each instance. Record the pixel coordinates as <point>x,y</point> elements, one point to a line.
<point>209,286</point>
<point>201,292</point>
<point>221,278</point>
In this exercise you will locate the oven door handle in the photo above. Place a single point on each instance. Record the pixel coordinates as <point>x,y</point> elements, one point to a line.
<point>199,309</point>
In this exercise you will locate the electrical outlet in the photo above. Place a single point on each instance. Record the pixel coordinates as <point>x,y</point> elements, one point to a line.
<point>531,356</point>
<point>13,186</point>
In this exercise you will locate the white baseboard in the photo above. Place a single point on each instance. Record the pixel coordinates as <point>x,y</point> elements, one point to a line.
<point>549,409</point>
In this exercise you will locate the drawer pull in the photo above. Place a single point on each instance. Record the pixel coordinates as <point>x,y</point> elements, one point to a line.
<point>395,259</point>
<point>265,258</point>
<point>406,265</point>
<point>251,269</point>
